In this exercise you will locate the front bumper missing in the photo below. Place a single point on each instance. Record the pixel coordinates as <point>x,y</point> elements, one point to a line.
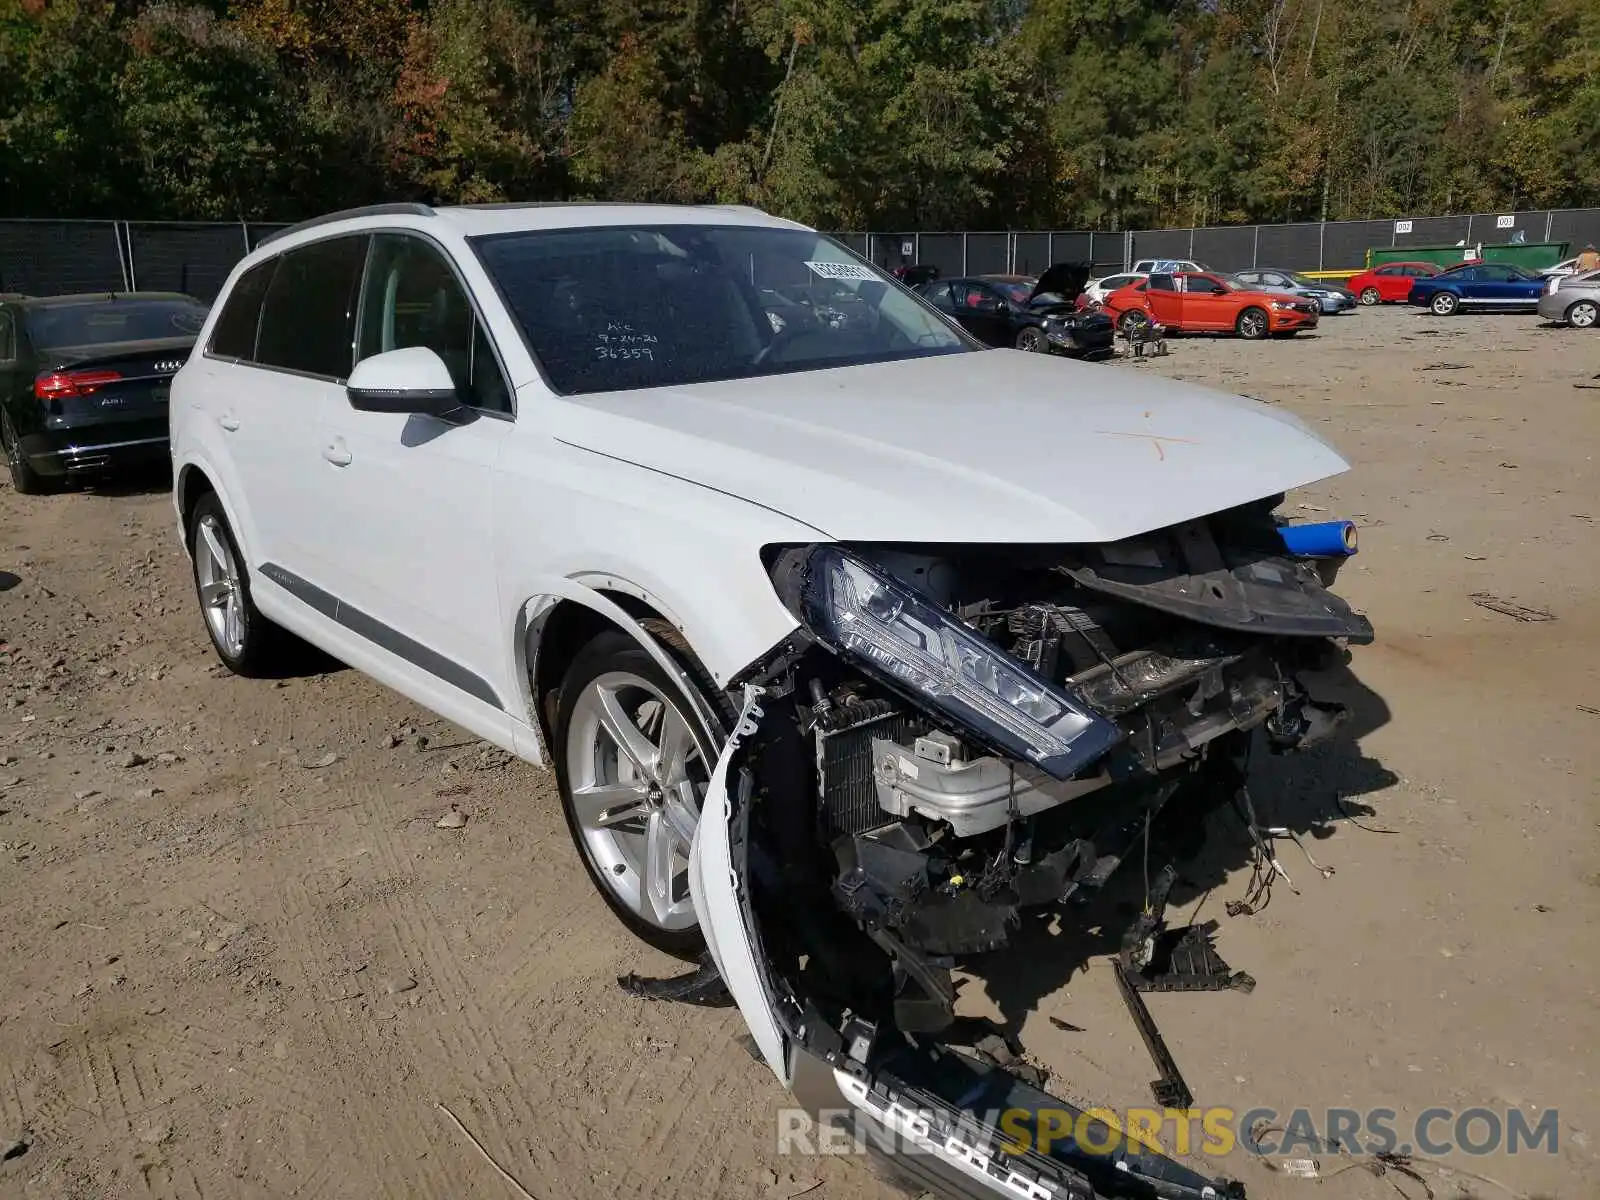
<point>937,1119</point>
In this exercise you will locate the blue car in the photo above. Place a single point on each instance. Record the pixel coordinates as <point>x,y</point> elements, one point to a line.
<point>1480,286</point>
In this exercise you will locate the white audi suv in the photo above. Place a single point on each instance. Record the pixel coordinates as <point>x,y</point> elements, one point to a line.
<point>847,638</point>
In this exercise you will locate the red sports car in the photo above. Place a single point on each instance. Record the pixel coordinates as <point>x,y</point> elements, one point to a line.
<point>1390,283</point>
<point>1206,302</point>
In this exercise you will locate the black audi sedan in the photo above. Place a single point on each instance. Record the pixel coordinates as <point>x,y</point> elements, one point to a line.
<point>84,380</point>
<point>1036,314</point>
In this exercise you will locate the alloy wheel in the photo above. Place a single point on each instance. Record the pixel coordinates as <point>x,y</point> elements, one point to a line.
<point>1583,314</point>
<point>1030,340</point>
<point>218,576</point>
<point>637,774</point>
<point>1252,324</point>
<point>1444,304</point>
<point>1369,296</point>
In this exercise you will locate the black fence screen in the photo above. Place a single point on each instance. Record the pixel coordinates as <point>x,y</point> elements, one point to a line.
<point>45,257</point>
<point>49,258</point>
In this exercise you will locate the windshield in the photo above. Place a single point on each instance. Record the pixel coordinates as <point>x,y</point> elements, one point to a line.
<point>651,306</point>
<point>102,322</point>
<point>1232,282</point>
<point>1017,293</point>
<point>1307,282</point>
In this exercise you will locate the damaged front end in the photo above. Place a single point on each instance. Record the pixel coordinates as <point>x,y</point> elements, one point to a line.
<point>958,734</point>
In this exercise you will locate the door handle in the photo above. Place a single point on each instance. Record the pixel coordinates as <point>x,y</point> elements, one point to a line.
<point>337,453</point>
<point>228,421</point>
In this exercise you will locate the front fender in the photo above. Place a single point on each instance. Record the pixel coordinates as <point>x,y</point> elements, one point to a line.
<point>582,590</point>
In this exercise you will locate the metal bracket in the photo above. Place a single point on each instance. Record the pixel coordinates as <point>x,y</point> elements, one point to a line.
<point>1170,1091</point>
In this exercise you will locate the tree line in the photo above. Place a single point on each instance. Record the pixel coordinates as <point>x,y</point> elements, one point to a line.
<point>847,114</point>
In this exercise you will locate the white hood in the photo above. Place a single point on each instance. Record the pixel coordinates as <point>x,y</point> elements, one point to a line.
<point>996,446</point>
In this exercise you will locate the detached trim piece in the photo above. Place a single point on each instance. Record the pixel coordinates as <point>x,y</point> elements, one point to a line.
<point>383,636</point>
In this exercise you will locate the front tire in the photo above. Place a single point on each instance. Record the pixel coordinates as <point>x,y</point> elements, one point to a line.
<point>24,478</point>
<point>633,759</point>
<point>1252,324</point>
<point>245,641</point>
<point>1583,314</point>
<point>1444,304</point>
<point>1031,340</point>
<point>1370,296</point>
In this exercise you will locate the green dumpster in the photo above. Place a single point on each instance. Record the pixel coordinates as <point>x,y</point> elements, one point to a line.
<point>1530,256</point>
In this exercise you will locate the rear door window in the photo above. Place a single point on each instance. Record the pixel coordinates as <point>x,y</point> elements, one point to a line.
<point>8,338</point>
<point>308,314</point>
<point>234,335</point>
<point>973,297</point>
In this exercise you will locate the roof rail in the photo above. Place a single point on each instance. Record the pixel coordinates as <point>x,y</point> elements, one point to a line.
<point>409,208</point>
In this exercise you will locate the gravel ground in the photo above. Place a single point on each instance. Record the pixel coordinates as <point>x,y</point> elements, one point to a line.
<point>243,960</point>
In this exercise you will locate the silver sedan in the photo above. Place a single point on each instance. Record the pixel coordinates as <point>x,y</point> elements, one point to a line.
<point>1573,300</point>
<point>1330,297</point>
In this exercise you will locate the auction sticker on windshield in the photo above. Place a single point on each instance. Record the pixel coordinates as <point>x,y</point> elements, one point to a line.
<point>838,270</point>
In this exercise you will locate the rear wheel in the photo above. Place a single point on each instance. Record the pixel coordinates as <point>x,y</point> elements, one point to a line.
<point>246,642</point>
<point>634,760</point>
<point>1369,296</point>
<point>1444,303</point>
<point>1583,314</point>
<point>1132,321</point>
<point>1252,324</point>
<point>1031,340</point>
<point>23,477</point>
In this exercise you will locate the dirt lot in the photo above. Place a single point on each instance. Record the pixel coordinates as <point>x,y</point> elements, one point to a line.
<point>241,960</point>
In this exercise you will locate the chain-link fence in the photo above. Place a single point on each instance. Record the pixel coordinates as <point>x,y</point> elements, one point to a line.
<point>46,257</point>
<point>1309,246</point>
<point>50,258</point>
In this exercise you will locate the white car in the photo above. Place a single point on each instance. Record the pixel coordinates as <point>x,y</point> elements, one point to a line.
<point>1096,290</point>
<point>847,641</point>
<point>1564,269</point>
<point>1168,266</point>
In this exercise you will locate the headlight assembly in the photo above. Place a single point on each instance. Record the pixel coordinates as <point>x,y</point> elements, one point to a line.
<point>908,641</point>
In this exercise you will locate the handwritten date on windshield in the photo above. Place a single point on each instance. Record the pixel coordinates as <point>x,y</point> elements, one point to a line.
<point>621,341</point>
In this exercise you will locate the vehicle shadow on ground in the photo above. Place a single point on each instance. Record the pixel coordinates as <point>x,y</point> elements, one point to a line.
<point>301,660</point>
<point>1308,793</point>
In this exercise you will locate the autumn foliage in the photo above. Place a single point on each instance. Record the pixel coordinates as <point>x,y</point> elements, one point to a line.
<point>844,113</point>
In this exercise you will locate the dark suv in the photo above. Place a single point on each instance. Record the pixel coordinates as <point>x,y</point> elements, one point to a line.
<point>84,380</point>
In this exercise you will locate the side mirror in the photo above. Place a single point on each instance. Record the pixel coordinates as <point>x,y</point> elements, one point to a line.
<point>413,380</point>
